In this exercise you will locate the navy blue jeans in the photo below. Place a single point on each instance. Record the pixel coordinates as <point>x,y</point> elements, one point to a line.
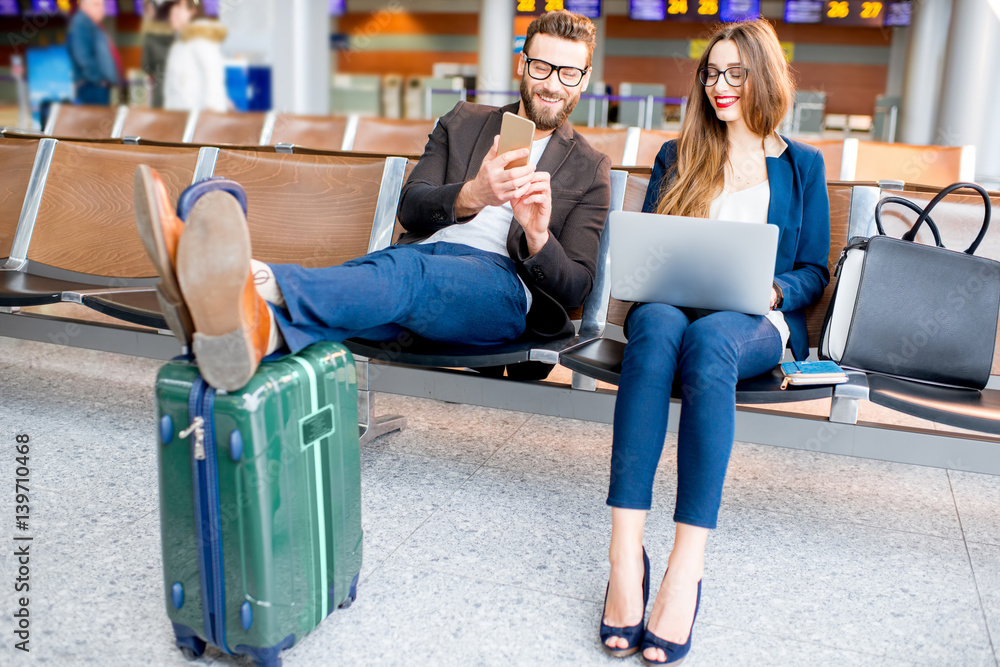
<point>89,93</point>
<point>444,292</point>
<point>710,354</point>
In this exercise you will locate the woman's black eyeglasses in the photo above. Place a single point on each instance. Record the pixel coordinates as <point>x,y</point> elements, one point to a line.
<point>734,75</point>
<point>541,70</point>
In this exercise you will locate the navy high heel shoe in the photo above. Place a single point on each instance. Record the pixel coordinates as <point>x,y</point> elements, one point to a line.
<point>633,633</point>
<point>675,652</point>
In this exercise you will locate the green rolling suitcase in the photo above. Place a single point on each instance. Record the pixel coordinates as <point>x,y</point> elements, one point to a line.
<point>260,502</point>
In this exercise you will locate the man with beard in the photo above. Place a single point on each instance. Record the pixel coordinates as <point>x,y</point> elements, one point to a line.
<point>488,255</point>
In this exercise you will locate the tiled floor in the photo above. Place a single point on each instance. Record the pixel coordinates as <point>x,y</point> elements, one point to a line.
<point>485,541</point>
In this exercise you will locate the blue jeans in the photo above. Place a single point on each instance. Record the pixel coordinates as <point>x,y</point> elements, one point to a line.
<point>445,292</point>
<point>89,93</point>
<point>710,354</point>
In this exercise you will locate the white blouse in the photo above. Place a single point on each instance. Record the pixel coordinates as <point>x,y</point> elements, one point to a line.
<point>749,205</point>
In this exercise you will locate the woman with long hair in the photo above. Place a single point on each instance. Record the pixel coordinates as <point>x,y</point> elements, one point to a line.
<point>729,163</point>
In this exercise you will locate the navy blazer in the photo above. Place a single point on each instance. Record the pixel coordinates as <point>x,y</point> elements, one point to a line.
<point>800,208</point>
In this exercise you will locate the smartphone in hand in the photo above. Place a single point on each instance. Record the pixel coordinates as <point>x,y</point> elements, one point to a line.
<point>515,132</point>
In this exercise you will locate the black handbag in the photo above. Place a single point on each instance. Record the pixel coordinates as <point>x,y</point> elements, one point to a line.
<point>915,311</point>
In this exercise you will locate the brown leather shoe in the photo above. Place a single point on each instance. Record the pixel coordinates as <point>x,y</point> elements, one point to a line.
<point>160,228</point>
<point>231,321</point>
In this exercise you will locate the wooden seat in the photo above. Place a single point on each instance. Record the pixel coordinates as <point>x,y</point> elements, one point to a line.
<point>156,124</point>
<point>930,165</point>
<point>86,220</point>
<point>239,129</point>
<point>650,142</point>
<point>318,132</point>
<point>82,121</point>
<point>84,237</point>
<point>392,136</point>
<point>16,159</point>
<point>833,156</point>
<point>610,141</point>
<point>311,210</point>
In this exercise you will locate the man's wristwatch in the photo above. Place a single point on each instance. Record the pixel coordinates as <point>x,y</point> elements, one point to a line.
<point>781,296</point>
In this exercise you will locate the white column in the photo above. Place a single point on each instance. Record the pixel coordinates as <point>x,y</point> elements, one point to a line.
<point>600,25</point>
<point>496,46</point>
<point>301,30</point>
<point>968,74</point>
<point>924,68</point>
<point>988,147</point>
<point>897,61</point>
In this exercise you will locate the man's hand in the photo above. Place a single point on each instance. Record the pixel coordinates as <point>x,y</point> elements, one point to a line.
<point>533,209</point>
<point>494,185</point>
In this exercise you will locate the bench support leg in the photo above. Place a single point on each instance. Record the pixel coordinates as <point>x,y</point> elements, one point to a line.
<point>584,383</point>
<point>370,427</point>
<point>847,397</point>
<point>844,410</point>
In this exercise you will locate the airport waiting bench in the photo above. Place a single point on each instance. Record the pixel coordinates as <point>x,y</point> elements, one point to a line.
<point>852,214</point>
<point>103,237</point>
<point>78,244</point>
<point>846,159</point>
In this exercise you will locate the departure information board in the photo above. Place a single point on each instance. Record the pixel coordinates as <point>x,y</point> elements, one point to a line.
<point>647,10</point>
<point>731,11</point>
<point>897,14</point>
<point>589,8</point>
<point>45,6</point>
<point>853,12</point>
<point>803,11</point>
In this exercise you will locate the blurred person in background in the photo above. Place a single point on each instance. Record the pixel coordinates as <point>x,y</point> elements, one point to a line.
<point>157,38</point>
<point>96,65</point>
<point>195,76</point>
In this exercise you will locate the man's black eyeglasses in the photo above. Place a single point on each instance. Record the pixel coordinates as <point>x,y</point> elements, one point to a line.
<point>541,70</point>
<point>734,75</point>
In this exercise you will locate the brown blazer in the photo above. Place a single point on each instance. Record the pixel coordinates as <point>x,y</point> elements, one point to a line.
<point>561,275</point>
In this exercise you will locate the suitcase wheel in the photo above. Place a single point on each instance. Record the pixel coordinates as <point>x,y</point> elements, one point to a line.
<point>189,653</point>
<point>353,595</point>
<point>190,644</point>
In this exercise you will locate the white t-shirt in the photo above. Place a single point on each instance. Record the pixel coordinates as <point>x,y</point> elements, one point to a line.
<point>488,230</point>
<point>749,205</point>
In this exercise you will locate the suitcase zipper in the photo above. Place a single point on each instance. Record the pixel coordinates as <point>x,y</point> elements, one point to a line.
<point>201,405</point>
<point>198,428</point>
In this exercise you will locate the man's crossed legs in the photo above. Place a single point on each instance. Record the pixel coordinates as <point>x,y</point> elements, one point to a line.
<point>235,311</point>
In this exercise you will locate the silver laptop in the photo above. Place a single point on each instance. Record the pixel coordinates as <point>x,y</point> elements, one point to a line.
<point>693,262</point>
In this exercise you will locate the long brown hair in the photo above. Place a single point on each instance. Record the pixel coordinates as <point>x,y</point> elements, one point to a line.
<point>703,145</point>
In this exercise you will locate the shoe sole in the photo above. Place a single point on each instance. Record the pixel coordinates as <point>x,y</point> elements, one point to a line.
<point>213,264</point>
<point>621,652</point>
<point>150,229</point>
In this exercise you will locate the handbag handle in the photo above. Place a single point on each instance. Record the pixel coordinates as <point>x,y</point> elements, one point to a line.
<point>912,233</point>
<point>944,193</point>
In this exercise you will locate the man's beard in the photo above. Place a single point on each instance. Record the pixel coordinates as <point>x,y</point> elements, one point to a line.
<point>545,119</point>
